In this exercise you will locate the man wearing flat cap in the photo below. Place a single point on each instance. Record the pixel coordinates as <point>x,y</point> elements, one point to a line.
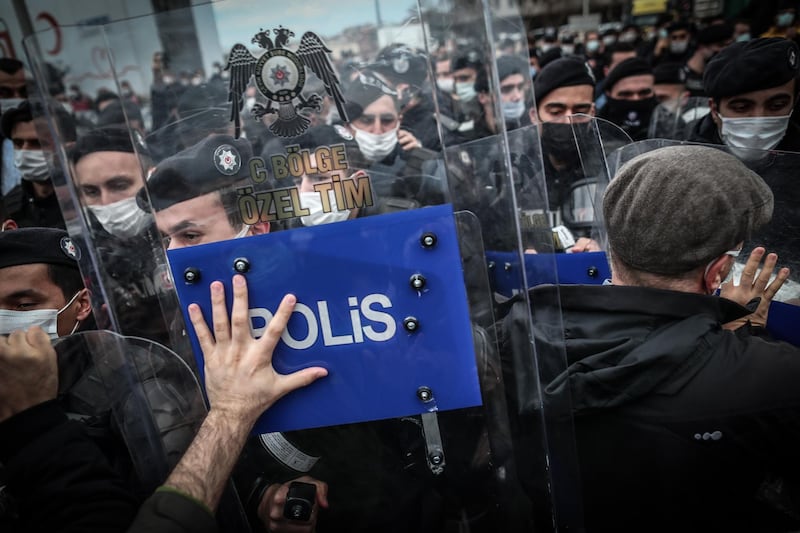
<point>684,421</point>
<point>752,90</point>
<point>630,98</point>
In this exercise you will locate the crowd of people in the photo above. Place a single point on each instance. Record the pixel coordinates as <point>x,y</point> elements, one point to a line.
<point>683,407</point>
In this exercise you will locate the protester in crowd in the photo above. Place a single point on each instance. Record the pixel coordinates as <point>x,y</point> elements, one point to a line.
<point>685,423</point>
<point>33,202</point>
<point>676,48</point>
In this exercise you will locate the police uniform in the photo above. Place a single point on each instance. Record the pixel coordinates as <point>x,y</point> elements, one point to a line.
<point>745,67</point>
<point>70,462</point>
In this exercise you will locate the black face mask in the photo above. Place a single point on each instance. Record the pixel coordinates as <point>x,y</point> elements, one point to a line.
<point>633,116</point>
<point>558,144</point>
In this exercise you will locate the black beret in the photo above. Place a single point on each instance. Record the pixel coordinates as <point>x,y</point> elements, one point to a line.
<point>670,73</point>
<point>751,66</point>
<point>564,72</point>
<point>674,209</point>
<point>716,33</point>
<point>679,25</point>
<point>215,163</point>
<point>551,55</point>
<point>108,139</point>
<point>363,91</point>
<point>506,66</point>
<point>399,62</point>
<point>25,246</point>
<point>634,66</point>
<point>118,113</point>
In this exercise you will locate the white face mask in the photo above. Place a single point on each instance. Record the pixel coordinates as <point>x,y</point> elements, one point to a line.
<point>32,164</point>
<point>757,133</point>
<point>678,47</point>
<point>243,232</point>
<point>465,90</point>
<point>9,103</point>
<point>123,218</point>
<point>446,84</point>
<point>313,202</point>
<point>567,49</point>
<point>376,146</point>
<point>592,46</point>
<point>47,319</point>
<point>513,110</point>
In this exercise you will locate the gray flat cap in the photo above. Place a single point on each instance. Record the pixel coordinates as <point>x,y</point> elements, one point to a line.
<point>674,209</point>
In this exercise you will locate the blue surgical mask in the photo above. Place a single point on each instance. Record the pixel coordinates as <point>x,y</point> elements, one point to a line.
<point>785,20</point>
<point>465,90</point>
<point>513,110</point>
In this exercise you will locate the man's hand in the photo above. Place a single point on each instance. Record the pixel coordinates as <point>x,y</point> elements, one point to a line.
<point>584,244</point>
<point>240,379</point>
<point>28,371</point>
<point>270,510</point>
<point>752,286</point>
<point>407,140</point>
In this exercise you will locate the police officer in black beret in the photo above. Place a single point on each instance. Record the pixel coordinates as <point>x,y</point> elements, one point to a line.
<point>752,89</point>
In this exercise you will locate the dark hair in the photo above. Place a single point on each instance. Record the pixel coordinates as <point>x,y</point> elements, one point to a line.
<point>67,279</point>
<point>10,65</point>
<point>230,202</point>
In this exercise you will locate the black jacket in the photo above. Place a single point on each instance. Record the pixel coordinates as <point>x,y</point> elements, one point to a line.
<point>59,478</point>
<point>681,425</point>
<point>169,511</point>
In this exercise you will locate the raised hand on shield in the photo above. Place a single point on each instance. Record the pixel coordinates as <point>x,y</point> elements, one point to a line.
<point>240,379</point>
<point>755,284</point>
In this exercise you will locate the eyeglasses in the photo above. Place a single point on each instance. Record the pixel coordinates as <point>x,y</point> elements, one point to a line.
<point>509,88</point>
<point>386,119</point>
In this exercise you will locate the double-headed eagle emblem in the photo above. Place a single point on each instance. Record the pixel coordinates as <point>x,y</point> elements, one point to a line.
<point>280,76</point>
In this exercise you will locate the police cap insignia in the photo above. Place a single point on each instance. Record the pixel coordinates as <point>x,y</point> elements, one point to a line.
<point>25,246</point>
<point>70,249</point>
<point>343,132</point>
<point>227,159</point>
<point>792,58</point>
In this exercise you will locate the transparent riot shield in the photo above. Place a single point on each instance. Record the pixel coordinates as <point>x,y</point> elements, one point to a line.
<point>140,401</point>
<point>779,236</point>
<point>309,164</point>
<point>677,119</point>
